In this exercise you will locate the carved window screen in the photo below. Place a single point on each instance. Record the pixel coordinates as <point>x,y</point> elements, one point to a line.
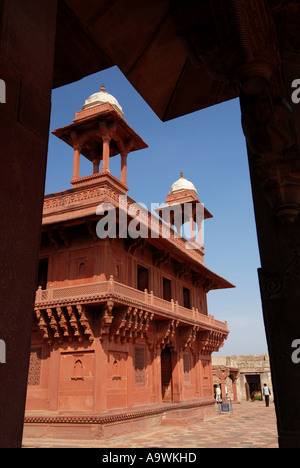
<point>34,374</point>
<point>139,366</point>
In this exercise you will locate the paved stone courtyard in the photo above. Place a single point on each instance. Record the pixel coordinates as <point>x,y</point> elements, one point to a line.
<point>251,425</point>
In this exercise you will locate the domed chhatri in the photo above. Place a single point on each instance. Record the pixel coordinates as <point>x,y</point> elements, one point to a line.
<point>100,132</point>
<point>102,98</point>
<point>182,184</point>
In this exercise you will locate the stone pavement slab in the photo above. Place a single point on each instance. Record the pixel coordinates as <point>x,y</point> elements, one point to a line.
<point>251,425</point>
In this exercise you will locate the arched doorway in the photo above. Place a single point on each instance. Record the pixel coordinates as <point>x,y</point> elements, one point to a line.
<point>166,375</point>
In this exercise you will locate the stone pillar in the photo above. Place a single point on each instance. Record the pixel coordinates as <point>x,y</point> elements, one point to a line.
<point>77,151</point>
<point>106,152</point>
<point>280,292</point>
<point>53,377</point>
<point>223,389</point>
<point>124,168</point>
<point>96,164</point>
<point>274,161</point>
<point>200,224</point>
<point>176,357</point>
<point>193,236</point>
<point>100,400</point>
<point>76,164</point>
<point>26,65</point>
<point>234,389</point>
<point>156,375</point>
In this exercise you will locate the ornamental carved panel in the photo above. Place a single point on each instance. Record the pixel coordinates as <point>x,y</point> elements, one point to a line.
<point>34,374</point>
<point>139,366</point>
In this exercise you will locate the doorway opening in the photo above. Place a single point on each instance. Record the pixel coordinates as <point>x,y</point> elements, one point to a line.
<point>142,278</point>
<point>166,375</point>
<point>167,289</point>
<point>186,298</point>
<point>253,387</point>
<point>43,273</point>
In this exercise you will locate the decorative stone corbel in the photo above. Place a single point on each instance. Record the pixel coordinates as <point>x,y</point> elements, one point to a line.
<point>187,337</point>
<point>160,258</point>
<point>106,319</point>
<point>166,333</point>
<point>210,341</point>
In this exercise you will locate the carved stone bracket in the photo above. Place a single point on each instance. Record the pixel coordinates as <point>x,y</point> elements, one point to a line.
<point>161,258</point>
<point>65,236</point>
<point>188,337</point>
<point>182,270</point>
<point>202,281</point>
<point>92,230</point>
<point>210,341</point>
<point>54,238</point>
<point>58,237</point>
<point>107,130</point>
<point>135,244</point>
<point>124,325</point>
<point>64,323</point>
<point>106,320</point>
<point>166,333</point>
<point>129,324</point>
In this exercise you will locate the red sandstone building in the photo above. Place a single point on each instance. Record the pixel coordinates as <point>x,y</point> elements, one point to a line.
<point>122,337</point>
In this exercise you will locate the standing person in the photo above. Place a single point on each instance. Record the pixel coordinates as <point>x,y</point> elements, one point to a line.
<point>218,393</point>
<point>266,393</point>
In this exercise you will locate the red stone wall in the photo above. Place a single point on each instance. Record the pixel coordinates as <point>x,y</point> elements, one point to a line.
<point>87,261</point>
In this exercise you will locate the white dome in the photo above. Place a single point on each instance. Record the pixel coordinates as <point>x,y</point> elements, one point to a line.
<point>182,184</point>
<point>102,98</point>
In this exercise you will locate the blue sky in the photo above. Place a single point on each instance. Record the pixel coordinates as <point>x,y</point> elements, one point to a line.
<point>209,148</point>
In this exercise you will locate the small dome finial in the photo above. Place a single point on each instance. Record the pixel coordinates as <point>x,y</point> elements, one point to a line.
<point>103,88</point>
<point>182,184</point>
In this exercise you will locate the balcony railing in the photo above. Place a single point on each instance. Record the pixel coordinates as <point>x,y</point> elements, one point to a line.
<point>98,292</point>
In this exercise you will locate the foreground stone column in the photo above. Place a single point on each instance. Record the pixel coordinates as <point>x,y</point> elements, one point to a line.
<point>274,161</point>
<point>280,291</point>
<point>26,66</point>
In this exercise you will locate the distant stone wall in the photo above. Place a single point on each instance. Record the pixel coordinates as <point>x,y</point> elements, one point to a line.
<point>254,373</point>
